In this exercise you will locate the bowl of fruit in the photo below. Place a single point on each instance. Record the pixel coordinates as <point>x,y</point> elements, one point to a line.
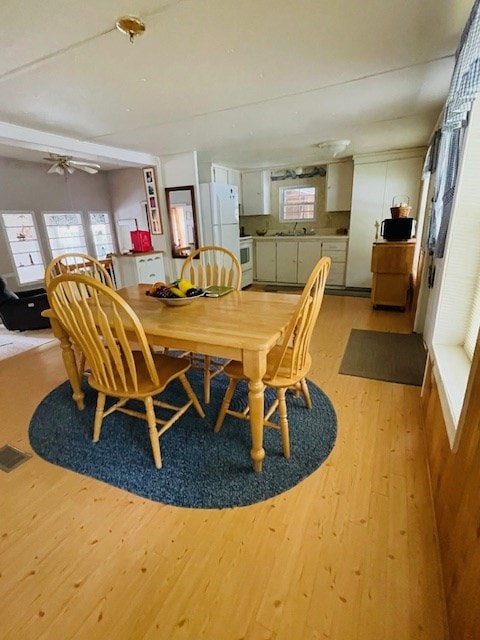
<point>175,294</point>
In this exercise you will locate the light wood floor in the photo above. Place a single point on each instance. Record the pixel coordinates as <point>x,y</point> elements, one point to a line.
<point>348,554</point>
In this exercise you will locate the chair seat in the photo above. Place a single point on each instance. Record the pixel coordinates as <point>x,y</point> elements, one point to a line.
<point>283,377</point>
<point>168,368</point>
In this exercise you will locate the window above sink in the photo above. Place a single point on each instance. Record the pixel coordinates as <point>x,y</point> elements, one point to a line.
<point>296,204</point>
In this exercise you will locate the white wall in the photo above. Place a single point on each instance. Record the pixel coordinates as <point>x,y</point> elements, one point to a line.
<point>179,171</point>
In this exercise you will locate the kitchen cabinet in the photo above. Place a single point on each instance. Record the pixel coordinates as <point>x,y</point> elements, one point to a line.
<point>225,175</point>
<point>219,174</point>
<point>255,193</point>
<point>376,181</point>
<point>336,249</point>
<point>286,254</point>
<point>291,260</point>
<point>392,265</point>
<point>338,192</point>
<point>132,269</point>
<point>308,254</point>
<point>265,261</point>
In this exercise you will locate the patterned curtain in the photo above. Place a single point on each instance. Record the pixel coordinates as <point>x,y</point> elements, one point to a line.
<point>445,151</point>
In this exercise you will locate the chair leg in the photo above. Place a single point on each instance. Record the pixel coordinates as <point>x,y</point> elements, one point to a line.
<point>191,394</point>
<point>283,421</point>
<point>206,379</point>
<point>225,404</point>
<point>153,432</point>
<point>81,363</point>
<point>306,393</point>
<point>97,425</point>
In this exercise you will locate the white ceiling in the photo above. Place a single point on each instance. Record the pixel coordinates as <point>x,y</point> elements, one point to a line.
<point>246,83</point>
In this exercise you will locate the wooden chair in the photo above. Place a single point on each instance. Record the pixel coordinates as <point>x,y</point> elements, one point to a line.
<point>78,263</point>
<point>288,363</point>
<point>84,264</point>
<point>98,319</point>
<point>207,266</point>
<point>212,266</point>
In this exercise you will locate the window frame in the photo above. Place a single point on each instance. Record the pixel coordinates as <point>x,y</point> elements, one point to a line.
<point>54,252</point>
<point>92,235</point>
<point>43,240</point>
<point>35,225</point>
<point>282,205</point>
<point>451,300</point>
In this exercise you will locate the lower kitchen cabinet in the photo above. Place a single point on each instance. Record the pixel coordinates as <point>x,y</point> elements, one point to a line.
<point>290,261</point>
<point>265,261</point>
<point>286,259</point>
<point>145,268</point>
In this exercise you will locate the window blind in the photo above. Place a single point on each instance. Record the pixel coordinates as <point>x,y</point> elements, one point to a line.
<point>473,322</point>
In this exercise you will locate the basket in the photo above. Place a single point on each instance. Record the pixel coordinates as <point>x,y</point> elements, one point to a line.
<point>401,210</point>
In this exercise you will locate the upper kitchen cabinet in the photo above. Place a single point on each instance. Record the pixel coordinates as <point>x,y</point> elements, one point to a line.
<point>255,193</point>
<point>220,174</point>
<point>225,175</point>
<point>338,192</point>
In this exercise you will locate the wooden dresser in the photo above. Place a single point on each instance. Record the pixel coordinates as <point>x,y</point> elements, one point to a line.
<point>392,263</point>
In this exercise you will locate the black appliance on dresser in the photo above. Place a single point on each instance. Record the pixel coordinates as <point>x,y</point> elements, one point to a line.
<point>398,228</point>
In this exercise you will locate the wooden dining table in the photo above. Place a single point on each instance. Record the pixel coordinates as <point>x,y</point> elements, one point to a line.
<point>242,325</point>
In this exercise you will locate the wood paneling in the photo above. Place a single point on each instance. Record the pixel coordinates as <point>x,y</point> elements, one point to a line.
<point>455,481</point>
<point>350,553</point>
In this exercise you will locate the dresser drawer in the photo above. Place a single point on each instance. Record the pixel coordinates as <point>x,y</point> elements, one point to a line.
<point>336,256</point>
<point>334,245</point>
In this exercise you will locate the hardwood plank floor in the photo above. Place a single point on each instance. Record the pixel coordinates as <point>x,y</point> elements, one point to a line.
<point>348,554</point>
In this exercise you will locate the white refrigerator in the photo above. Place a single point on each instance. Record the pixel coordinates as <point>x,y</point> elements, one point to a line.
<point>220,216</point>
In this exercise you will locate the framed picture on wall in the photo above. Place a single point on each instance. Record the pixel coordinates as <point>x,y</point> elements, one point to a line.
<point>152,204</point>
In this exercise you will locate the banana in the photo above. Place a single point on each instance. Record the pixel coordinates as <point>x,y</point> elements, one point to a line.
<point>184,285</point>
<point>178,292</point>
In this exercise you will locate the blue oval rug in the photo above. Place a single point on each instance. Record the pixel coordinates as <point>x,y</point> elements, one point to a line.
<point>201,469</point>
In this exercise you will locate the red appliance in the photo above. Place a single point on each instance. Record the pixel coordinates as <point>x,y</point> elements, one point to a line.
<point>141,241</point>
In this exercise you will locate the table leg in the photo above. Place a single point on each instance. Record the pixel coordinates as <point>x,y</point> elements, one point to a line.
<point>254,367</point>
<point>69,361</point>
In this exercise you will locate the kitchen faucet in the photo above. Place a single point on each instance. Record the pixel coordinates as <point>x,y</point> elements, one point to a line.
<point>294,227</point>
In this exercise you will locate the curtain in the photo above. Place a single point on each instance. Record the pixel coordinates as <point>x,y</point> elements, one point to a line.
<point>445,152</point>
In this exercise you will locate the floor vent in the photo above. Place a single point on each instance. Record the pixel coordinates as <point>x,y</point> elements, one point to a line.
<point>10,457</point>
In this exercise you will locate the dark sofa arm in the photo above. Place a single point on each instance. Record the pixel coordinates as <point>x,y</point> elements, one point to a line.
<point>30,293</point>
<point>25,313</point>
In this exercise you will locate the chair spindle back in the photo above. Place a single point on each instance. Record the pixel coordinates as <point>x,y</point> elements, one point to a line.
<point>212,265</point>
<point>299,332</point>
<point>97,319</point>
<point>77,263</point>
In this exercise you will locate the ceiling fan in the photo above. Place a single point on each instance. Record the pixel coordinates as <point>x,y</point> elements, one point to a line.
<point>64,165</point>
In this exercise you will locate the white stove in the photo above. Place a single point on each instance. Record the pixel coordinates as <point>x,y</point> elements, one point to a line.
<point>246,260</point>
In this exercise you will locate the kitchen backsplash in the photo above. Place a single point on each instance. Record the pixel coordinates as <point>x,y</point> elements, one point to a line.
<point>325,222</point>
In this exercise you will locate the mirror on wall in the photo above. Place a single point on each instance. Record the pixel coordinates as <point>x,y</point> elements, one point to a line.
<point>183,220</point>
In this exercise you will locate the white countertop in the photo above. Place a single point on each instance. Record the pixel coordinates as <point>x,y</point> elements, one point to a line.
<point>303,238</point>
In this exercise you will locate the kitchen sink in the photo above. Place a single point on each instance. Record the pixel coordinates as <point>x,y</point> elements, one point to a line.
<point>297,234</point>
